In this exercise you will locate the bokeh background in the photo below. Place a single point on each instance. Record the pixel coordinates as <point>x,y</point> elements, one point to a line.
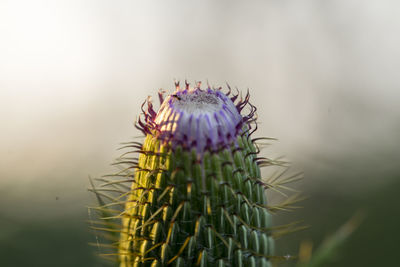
<point>323,74</point>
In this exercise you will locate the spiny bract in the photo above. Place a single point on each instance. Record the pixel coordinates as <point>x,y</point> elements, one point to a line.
<point>195,196</point>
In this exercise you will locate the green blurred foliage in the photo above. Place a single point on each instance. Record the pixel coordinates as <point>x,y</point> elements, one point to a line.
<point>54,242</point>
<point>374,243</point>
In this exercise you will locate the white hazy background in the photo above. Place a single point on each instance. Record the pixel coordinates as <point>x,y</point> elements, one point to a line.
<point>73,74</point>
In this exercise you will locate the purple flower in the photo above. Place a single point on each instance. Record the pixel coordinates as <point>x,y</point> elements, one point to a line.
<point>196,118</point>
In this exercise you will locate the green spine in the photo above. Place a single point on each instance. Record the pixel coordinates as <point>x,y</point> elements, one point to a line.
<point>186,210</point>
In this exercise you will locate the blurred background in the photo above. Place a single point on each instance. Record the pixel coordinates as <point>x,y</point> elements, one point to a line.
<point>323,74</point>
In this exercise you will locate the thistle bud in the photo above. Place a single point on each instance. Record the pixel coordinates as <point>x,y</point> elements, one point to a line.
<point>196,196</point>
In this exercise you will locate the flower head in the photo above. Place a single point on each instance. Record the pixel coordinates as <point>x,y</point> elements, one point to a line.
<point>195,118</point>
